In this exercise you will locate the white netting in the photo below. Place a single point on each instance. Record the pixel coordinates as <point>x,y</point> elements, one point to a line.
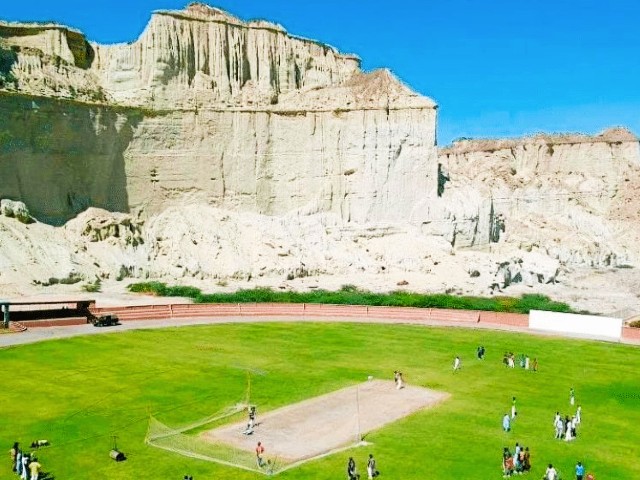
<point>177,440</point>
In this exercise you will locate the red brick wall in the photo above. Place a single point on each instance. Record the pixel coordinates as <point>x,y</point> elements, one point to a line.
<point>629,333</point>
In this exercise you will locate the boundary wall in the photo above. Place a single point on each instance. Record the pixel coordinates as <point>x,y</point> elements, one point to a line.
<point>571,324</point>
<point>297,310</point>
<point>305,310</point>
<point>356,313</point>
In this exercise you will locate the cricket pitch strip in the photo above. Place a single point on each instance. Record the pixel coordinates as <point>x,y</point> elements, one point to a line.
<point>328,423</point>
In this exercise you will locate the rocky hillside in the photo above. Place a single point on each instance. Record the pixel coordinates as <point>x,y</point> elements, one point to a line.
<point>572,196</point>
<point>206,108</point>
<point>230,152</point>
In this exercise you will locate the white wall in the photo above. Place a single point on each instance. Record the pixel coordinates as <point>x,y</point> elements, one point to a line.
<point>587,325</point>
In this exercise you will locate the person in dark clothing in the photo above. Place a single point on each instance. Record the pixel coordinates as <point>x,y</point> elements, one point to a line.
<point>351,469</point>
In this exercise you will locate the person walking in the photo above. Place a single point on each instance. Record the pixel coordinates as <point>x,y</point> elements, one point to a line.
<point>457,364</point>
<point>579,471</point>
<point>371,467</point>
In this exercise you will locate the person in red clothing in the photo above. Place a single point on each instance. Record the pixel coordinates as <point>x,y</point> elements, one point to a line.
<point>259,453</point>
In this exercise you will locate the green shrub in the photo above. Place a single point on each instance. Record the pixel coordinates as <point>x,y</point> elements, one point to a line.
<point>351,295</point>
<point>94,287</point>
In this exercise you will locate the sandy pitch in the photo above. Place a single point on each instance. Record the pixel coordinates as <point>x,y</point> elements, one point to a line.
<point>322,424</point>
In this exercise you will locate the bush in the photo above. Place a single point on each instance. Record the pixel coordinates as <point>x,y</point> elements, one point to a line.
<point>94,287</point>
<point>350,295</point>
<point>635,324</point>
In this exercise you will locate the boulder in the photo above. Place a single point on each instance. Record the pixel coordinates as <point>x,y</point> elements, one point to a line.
<point>17,210</point>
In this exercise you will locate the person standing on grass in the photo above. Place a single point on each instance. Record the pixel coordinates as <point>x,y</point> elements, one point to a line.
<point>526,464</point>
<point>480,352</point>
<point>572,397</point>
<point>507,462</point>
<point>535,364</point>
<point>579,471</point>
<point>578,415</point>
<point>34,468</point>
<point>567,431</point>
<point>513,408</point>
<point>457,364</point>
<point>559,426</point>
<point>14,453</point>
<point>506,423</point>
<point>351,469</point>
<point>371,467</point>
<point>551,473</point>
<point>259,453</point>
<point>25,466</point>
<point>18,469</point>
<point>526,362</point>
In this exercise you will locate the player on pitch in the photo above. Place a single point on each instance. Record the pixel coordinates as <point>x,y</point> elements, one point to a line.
<point>252,420</point>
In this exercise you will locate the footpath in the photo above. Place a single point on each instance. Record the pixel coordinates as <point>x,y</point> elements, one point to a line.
<point>39,334</point>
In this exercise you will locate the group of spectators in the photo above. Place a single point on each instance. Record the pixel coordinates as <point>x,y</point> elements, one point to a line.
<point>25,464</point>
<point>517,462</point>
<point>566,428</point>
<point>510,360</point>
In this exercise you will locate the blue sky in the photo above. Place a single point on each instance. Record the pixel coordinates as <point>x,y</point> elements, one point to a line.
<point>497,68</point>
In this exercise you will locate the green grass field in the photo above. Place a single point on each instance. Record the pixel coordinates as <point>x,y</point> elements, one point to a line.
<point>78,392</point>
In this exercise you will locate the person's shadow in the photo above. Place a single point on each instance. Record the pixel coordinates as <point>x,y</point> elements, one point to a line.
<point>46,476</point>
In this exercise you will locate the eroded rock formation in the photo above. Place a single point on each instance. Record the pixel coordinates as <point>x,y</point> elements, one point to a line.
<point>569,196</point>
<point>205,107</point>
<point>217,150</point>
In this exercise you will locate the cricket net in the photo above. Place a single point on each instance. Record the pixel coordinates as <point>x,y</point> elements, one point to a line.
<point>185,440</point>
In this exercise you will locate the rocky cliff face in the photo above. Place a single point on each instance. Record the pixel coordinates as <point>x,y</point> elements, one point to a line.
<point>61,158</point>
<point>214,148</point>
<point>570,196</point>
<point>238,115</point>
<point>203,56</point>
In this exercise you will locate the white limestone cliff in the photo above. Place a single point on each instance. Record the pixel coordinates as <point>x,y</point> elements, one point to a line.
<point>213,149</point>
<point>239,115</point>
<point>202,56</point>
<point>570,196</point>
